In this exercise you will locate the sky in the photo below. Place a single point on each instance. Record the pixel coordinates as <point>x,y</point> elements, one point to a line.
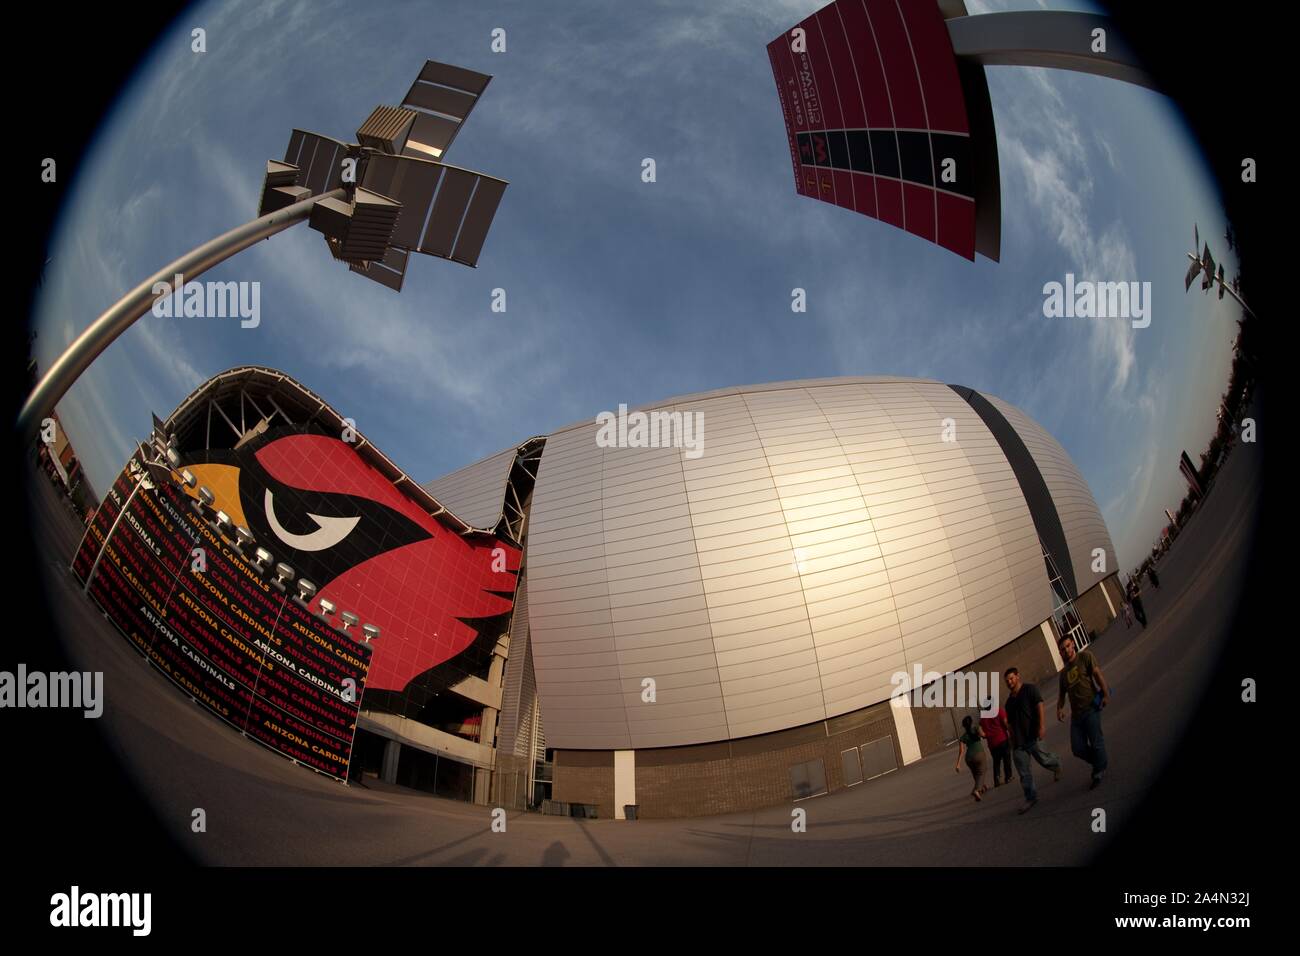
<point>622,291</point>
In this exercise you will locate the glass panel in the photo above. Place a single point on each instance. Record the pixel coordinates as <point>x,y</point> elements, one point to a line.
<point>851,766</point>
<point>878,757</point>
<point>808,779</point>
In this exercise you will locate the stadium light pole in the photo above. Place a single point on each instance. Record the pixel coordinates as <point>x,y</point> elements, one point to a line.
<point>1198,266</point>
<point>103,331</point>
<point>1204,266</point>
<point>143,481</point>
<point>376,201</point>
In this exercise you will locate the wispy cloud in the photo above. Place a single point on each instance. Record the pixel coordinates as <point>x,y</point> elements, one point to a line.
<point>1045,153</point>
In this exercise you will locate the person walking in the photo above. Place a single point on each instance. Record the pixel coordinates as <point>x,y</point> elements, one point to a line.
<point>1127,608</point>
<point>998,735</point>
<point>1151,574</point>
<point>971,743</point>
<point>1083,682</point>
<point>1135,598</point>
<point>1025,717</point>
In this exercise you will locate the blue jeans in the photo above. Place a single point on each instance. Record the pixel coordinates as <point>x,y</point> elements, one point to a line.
<point>1046,759</point>
<point>1086,741</point>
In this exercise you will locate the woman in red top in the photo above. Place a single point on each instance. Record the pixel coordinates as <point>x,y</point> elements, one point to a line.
<point>999,738</point>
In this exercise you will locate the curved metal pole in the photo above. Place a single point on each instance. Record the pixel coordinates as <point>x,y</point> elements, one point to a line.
<point>87,347</point>
<point>141,482</point>
<point>1056,39</point>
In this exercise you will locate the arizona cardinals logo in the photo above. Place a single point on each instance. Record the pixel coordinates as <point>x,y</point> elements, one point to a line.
<point>317,506</point>
<point>328,533</point>
<point>321,535</point>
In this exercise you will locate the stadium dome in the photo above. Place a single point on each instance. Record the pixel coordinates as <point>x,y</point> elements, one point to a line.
<point>719,591</point>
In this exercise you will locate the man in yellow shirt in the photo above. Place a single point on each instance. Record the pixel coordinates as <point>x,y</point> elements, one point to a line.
<point>1083,682</point>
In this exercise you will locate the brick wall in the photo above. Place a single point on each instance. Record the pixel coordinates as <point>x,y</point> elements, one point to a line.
<point>1029,653</point>
<point>723,777</point>
<point>585,776</point>
<point>1092,607</point>
<point>929,724</point>
<point>754,772</point>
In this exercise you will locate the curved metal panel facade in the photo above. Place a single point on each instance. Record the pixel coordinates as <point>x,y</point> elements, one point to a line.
<point>831,533</point>
<point>475,493</point>
<point>1080,517</point>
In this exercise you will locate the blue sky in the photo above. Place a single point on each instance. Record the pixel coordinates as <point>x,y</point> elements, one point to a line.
<point>623,291</point>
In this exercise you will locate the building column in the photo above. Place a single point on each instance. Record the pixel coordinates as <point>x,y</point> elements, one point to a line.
<point>495,670</point>
<point>487,732</point>
<point>905,729</point>
<point>1105,592</point>
<point>624,781</point>
<point>488,728</point>
<point>392,751</point>
<point>1055,651</point>
<point>482,785</point>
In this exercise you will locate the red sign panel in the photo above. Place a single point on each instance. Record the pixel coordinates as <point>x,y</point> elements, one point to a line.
<point>876,117</point>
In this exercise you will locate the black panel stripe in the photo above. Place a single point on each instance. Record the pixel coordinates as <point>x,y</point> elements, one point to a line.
<point>914,156</point>
<point>1032,485</point>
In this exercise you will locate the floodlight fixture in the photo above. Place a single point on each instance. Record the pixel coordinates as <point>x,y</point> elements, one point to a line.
<point>1211,273</point>
<point>376,201</point>
<point>400,196</point>
<point>159,473</point>
<point>262,560</point>
<point>283,574</point>
<point>243,538</point>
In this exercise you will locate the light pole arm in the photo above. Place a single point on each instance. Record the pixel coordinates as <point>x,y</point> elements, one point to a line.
<point>1226,288</point>
<point>1058,39</point>
<point>87,347</point>
<point>1232,292</point>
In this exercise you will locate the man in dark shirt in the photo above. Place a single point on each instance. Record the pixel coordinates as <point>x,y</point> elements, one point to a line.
<point>1025,715</point>
<point>1083,682</point>
<point>1135,599</point>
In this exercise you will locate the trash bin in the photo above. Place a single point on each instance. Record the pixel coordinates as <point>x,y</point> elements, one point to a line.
<point>629,810</point>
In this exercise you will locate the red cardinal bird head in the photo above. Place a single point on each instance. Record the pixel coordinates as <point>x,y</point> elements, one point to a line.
<point>440,599</point>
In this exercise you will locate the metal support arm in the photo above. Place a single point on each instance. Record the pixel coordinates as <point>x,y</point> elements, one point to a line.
<point>87,347</point>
